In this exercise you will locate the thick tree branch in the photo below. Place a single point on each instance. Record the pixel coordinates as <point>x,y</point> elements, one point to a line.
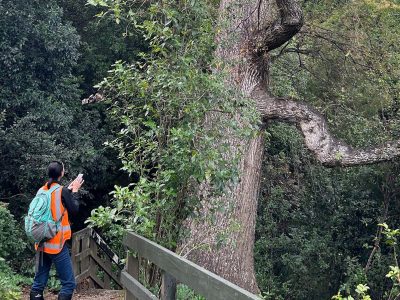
<point>328,150</point>
<point>288,23</point>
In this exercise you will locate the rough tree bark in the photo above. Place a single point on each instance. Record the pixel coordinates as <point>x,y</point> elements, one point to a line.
<point>250,29</point>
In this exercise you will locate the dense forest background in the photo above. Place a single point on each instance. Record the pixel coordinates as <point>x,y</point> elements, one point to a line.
<point>317,228</point>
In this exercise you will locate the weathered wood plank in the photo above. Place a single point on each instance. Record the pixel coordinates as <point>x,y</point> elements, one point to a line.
<point>93,266</point>
<point>74,252</point>
<point>168,286</point>
<point>82,234</point>
<point>105,248</point>
<point>85,274</point>
<point>81,256</point>
<point>96,279</point>
<point>105,267</point>
<point>85,262</point>
<point>132,268</point>
<point>199,279</point>
<point>135,287</point>
<point>107,277</point>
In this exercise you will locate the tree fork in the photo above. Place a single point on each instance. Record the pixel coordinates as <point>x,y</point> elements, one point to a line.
<point>287,25</point>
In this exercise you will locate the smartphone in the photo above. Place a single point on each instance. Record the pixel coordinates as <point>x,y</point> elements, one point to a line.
<point>80,175</point>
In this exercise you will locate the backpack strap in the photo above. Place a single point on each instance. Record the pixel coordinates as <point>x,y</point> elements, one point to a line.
<point>59,214</point>
<point>41,190</point>
<point>53,188</point>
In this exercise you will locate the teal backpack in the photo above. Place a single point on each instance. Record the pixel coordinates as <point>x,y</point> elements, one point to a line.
<point>39,223</point>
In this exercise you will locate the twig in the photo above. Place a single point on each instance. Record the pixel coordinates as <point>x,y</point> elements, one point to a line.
<point>378,237</point>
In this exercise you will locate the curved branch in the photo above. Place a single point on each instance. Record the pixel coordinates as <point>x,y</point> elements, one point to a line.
<point>281,30</point>
<point>327,149</point>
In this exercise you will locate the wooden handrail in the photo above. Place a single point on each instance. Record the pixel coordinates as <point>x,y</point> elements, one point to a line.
<point>175,267</point>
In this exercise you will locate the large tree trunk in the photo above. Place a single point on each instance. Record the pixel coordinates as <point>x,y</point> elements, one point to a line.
<point>230,238</point>
<point>249,30</point>
<point>223,241</point>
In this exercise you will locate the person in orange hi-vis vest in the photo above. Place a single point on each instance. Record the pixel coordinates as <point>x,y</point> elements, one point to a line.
<point>64,202</point>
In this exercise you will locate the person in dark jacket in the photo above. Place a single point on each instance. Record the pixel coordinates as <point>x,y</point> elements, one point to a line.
<point>64,203</point>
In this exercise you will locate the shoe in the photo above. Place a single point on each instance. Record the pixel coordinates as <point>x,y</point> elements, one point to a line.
<point>64,297</point>
<point>36,296</point>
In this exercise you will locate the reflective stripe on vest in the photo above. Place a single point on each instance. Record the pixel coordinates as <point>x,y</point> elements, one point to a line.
<point>59,213</point>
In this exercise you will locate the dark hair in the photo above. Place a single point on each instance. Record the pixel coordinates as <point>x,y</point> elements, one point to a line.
<point>54,171</point>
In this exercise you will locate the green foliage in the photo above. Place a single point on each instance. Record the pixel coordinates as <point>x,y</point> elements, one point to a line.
<point>161,103</point>
<point>11,247</point>
<point>348,67</point>
<point>9,289</point>
<point>361,292</point>
<point>391,238</point>
<point>109,220</point>
<point>41,114</point>
<point>185,293</point>
<point>316,226</point>
<point>41,119</point>
<point>103,42</point>
<point>12,240</point>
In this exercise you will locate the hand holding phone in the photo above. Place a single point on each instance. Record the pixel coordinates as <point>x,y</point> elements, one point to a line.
<point>77,183</point>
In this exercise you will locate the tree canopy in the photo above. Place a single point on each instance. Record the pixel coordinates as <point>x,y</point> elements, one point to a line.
<point>41,114</point>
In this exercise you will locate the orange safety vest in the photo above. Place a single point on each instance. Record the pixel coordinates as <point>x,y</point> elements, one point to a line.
<point>55,245</point>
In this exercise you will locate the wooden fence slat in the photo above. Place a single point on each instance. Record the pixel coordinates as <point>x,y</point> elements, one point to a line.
<point>82,276</point>
<point>81,234</point>
<point>107,272</point>
<point>135,287</point>
<point>85,262</point>
<point>75,251</point>
<point>168,286</point>
<point>94,277</point>
<point>197,278</point>
<point>105,267</point>
<point>93,266</point>
<point>82,256</point>
<point>132,268</point>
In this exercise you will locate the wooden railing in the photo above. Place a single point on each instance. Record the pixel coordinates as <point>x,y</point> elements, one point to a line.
<point>174,269</point>
<point>93,261</point>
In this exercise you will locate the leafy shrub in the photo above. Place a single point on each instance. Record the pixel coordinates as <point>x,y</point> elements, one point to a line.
<point>183,292</point>
<point>11,236</point>
<point>9,283</point>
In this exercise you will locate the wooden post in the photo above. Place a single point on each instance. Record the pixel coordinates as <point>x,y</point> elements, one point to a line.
<point>168,286</point>
<point>85,264</point>
<point>75,251</point>
<point>132,267</point>
<point>76,264</point>
<point>92,264</point>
